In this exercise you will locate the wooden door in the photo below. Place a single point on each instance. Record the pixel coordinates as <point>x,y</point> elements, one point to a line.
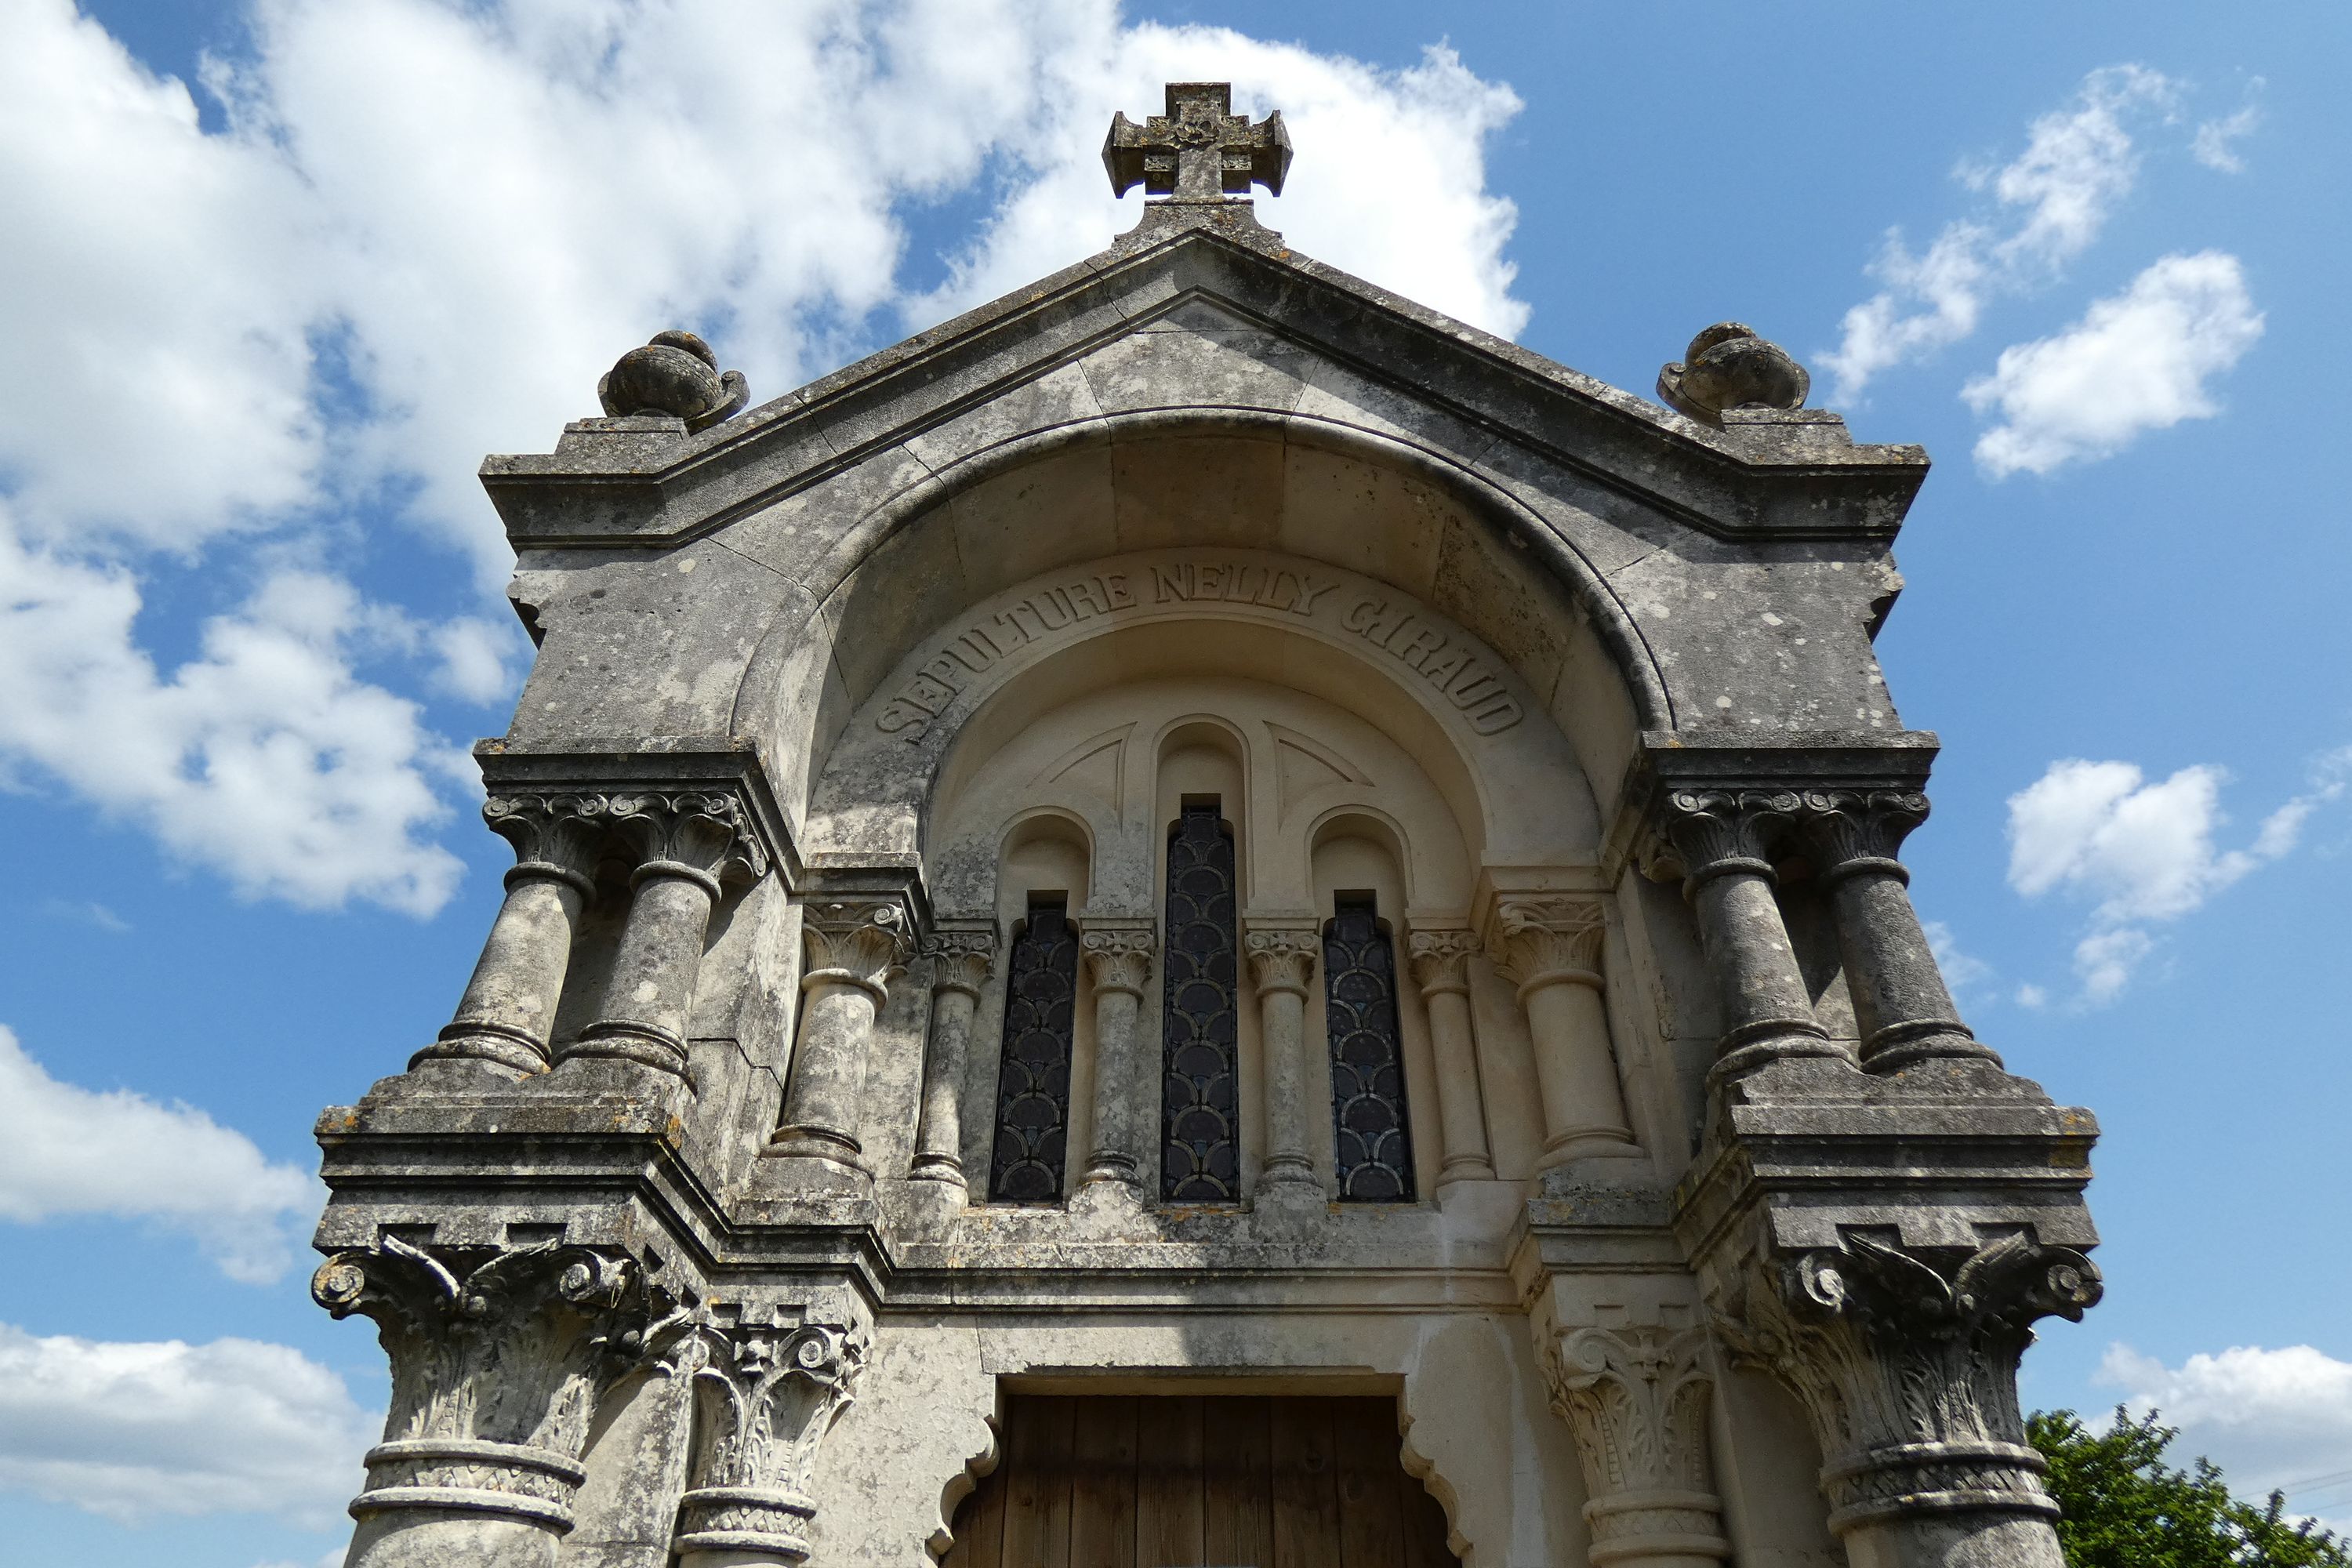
<point>1127,1481</point>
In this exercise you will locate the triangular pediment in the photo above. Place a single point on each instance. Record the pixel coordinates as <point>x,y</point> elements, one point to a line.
<point>1203,322</point>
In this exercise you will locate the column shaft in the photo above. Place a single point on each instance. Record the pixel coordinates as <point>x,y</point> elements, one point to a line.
<point>509,1007</point>
<point>850,952</point>
<point>1440,967</point>
<point>1282,963</point>
<point>650,1000</point>
<point>1550,948</point>
<point>1117,955</point>
<point>939,1138</point>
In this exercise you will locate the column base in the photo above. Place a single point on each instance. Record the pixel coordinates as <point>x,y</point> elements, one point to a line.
<point>492,1052</point>
<point>944,1168</point>
<point>1900,1045</point>
<point>432,1501</point>
<point>627,1043</point>
<point>725,1527</point>
<point>1657,1530</point>
<point>1582,1143</point>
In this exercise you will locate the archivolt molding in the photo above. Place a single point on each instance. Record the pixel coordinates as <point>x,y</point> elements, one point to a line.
<point>1611,619</point>
<point>880,778</point>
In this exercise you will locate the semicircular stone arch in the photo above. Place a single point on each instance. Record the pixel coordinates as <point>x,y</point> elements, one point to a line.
<point>1330,495</point>
<point>1506,774</point>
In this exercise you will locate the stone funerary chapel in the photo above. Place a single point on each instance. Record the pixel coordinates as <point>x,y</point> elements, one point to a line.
<point>1203,918</point>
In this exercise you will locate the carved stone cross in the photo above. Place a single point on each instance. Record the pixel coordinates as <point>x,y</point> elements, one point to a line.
<point>1199,150</point>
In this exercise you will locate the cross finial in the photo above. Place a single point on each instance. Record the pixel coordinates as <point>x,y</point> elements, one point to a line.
<point>1199,150</point>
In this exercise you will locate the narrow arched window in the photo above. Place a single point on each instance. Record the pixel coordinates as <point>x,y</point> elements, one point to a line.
<point>1373,1144</point>
<point>1200,1158</point>
<point>1033,1086</point>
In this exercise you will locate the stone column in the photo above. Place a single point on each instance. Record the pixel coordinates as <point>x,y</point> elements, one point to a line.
<point>1117,954</point>
<point>1441,967</point>
<point>1908,1371</point>
<point>1904,1011</point>
<point>850,952</point>
<point>503,1023</point>
<point>765,1396</point>
<point>1720,836</point>
<point>962,959</point>
<point>1282,965</point>
<point>494,1376</point>
<point>687,845</point>
<point>1550,949</point>
<point>1637,1398</point>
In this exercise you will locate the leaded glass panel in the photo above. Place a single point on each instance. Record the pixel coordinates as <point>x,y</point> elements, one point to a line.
<point>1033,1086</point>
<point>1374,1145</point>
<point>1200,1160</point>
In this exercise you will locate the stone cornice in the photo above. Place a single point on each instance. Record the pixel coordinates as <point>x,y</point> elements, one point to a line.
<point>654,768</point>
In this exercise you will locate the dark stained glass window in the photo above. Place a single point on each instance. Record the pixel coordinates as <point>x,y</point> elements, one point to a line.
<point>1033,1088</point>
<point>1374,1154</point>
<point>1200,1160</point>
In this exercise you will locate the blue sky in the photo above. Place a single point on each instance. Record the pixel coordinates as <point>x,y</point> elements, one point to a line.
<point>268,328</point>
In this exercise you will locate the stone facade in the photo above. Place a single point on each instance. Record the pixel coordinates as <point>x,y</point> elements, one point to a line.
<point>1700,1226</point>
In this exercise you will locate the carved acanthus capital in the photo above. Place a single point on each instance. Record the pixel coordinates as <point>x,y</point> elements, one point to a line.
<point>1441,959</point>
<point>1282,959</point>
<point>1908,1366</point>
<point>704,837</point>
<point>962,958</point>
<point>496,1362</point>
<point>554,836</point>
<point>1853,831</point>
<point>1711,832</point>
<point>864,944</point>
<point>767,1391</point>
<point>1535,942</point>
<point>1637,1399</point>
<point>1118,955</point>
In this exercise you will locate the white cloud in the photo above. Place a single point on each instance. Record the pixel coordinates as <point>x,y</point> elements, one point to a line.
<point>2145,852</point>
<point>2215,142</point>
<point>2270,1418</point>
<point>265,758</point>
<point>2049,204</point>
<point>1966,973</point>
<point>66,1150</point>
<point>427,226</point>
<point>2137,360</point>
<point>141,1431</point>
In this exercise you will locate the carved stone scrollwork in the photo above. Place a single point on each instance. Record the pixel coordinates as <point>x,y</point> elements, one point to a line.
<point>698,835</point>
<point>1441,960</point>
<point>495,1367</point>
<point>1637,1400</point>
<point>503,1021</point>
<point>851,950</point>
<point>1853,831</point>
<point>766,1393</point>
<point>1282,960</point>
<point>1908,1371</point>
<point>1117,957</point>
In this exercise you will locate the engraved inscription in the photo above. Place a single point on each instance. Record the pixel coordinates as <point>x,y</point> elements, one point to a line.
<point>1447,663</point>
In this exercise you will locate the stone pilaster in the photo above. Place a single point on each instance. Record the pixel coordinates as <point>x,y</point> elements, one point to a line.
<point>851,950</point>
<point>1439,959</point>
<point>1905,1359</point>
<point>495,1367</point>
<point>503,1023</point>
<point>1720,837</point>
<point>769,1385</point>
<point>961,958</point>
<point>1117,954</point>
<point>1637,1397</point>
<point>1282,960</point>
<point>686,847</point>
<point>1550,949</point>
<point>1904,1010</point>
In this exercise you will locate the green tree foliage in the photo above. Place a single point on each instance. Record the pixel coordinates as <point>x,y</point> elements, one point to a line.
<point>2125,1508</point>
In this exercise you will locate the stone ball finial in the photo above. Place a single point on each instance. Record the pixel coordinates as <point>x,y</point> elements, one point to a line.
<point>1728,366</point>
<point>675,374</point>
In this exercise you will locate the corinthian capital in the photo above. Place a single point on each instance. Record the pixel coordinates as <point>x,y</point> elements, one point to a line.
<point>703,835</point>
<point>495,1366</point>
<point>1713,831</point>
<point>1909,1367</point>
<point>1539,939</point>
<point>1441,959</point>
<point>1117,954</point>
<point>1281,959</point>
<point>864,944</point>
<point>557,836</point>
<point>1853,829</point>
<point>1636,1399</point>
<point>961,957</point>
<point>766,1394</point>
